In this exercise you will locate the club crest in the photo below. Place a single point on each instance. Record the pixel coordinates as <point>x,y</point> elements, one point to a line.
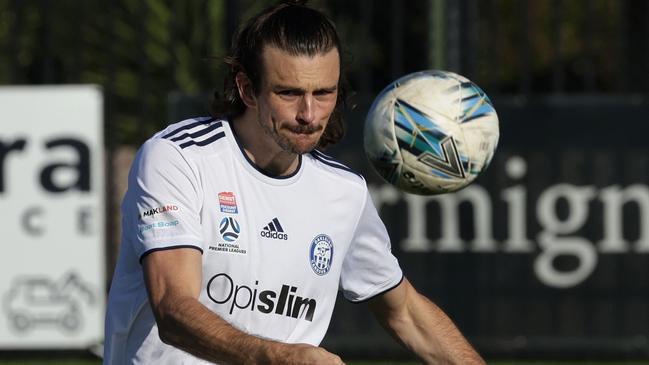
<point>321,254</point>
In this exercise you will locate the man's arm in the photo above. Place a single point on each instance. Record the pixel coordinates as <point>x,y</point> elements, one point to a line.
<point>173,279</point>
<point>423,327</point>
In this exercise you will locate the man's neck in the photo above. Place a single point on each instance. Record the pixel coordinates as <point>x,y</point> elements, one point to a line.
<point>262,149</point>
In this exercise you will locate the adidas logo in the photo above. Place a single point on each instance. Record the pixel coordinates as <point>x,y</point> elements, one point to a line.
<point>274,230</point>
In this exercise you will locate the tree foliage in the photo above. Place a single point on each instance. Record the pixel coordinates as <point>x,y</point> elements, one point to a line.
<point>142,52</point>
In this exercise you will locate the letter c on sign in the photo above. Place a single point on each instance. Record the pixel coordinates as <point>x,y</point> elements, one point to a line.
<point>32,221</point>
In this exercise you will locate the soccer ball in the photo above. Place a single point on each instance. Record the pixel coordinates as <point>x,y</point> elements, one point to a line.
<point>431,132</point>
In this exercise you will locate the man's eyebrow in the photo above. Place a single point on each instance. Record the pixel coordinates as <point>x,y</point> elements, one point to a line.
<point>287,87</point>
<point>296,88</point>
<point>330,88</point>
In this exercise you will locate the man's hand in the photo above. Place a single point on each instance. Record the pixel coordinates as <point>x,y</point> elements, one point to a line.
<point>303,354</point>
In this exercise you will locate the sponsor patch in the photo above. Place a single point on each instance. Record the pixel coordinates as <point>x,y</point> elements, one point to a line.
<point>321,254</point>
<point>163,209</point>
<point>227,202</point>
<point>158,225</point>
<point>286,301</point>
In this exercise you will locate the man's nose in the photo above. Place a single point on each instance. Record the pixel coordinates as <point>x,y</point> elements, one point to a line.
<point>306,112</point>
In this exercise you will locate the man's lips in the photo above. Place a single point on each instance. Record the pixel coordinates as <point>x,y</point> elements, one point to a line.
<point>304,129</point>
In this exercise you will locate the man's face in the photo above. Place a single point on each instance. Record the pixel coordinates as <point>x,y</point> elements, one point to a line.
<point>296,97</point>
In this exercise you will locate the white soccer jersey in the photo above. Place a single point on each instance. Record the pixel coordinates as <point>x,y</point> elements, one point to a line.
<point>275,249</point>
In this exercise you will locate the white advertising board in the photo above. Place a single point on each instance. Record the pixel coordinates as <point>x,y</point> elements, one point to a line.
<point>52,267</point>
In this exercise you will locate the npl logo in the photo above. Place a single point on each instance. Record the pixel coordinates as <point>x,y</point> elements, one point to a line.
<point>229,229</point>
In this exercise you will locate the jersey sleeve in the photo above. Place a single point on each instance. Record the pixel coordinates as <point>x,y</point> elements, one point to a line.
<point>162,206</point>
<point>369,268</point>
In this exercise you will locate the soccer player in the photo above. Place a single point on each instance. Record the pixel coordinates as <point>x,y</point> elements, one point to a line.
<point>238,232</point>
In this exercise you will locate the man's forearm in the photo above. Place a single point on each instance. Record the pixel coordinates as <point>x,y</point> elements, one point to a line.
<point>423,327</point>
<point>441,343</point>
<point>187,324</point>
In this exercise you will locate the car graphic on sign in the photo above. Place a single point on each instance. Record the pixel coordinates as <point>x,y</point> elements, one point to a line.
<point>33,302</point>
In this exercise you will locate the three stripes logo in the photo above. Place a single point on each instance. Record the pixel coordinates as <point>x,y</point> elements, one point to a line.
<point>274,230</point>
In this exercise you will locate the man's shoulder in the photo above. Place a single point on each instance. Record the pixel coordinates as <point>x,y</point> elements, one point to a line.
<point>329,165</point>
<point>191,134</point>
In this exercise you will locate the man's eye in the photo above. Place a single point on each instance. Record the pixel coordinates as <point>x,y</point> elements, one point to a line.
<point>324,92</point>
<point>287,92</point>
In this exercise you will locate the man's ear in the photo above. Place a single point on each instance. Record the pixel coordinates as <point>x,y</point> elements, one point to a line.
<point>246,90</point>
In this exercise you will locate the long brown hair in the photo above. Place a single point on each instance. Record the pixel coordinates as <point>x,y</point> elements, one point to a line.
<point>294,28</point>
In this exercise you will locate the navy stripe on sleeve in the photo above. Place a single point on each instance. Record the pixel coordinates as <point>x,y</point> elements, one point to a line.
<point>199,133</point>
<point>376,295</point>
<point>168,248</point>
<point>204,142</point>
<point>334,164</point>
<point>188,126</point>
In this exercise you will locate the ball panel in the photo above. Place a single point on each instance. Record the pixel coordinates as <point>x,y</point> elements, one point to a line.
<point>380,143</point>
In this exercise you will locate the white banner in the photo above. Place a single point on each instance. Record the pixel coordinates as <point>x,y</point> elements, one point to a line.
<point>52,267</point>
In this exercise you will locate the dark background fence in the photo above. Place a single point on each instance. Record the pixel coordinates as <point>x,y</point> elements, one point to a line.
<point>141,51</point>
<point>549,257</point>
<point>570,80</point>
